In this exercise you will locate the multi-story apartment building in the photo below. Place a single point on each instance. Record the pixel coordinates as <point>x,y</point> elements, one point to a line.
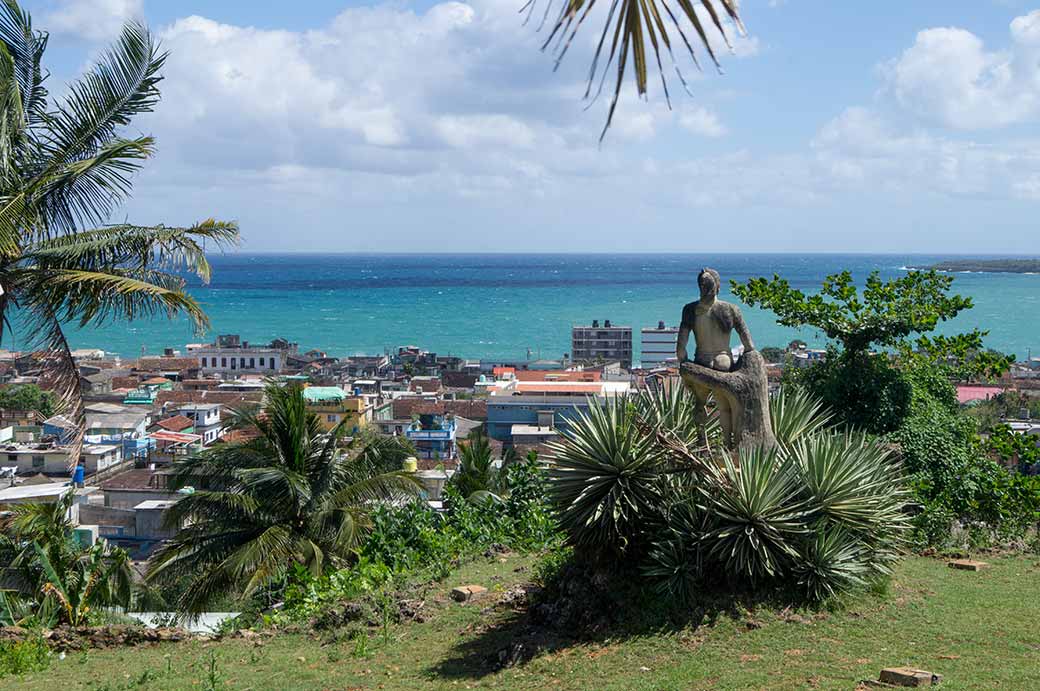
<point>602,343</point>
<point>657,346</point>
<point>230,355</point>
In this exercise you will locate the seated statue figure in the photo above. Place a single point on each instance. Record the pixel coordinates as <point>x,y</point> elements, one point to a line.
<point>712,322</point>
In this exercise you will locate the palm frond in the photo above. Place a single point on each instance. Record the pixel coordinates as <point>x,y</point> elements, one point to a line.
<point>636,30</point>
<point>122,84</point>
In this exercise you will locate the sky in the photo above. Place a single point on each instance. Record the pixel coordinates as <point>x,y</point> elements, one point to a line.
<point>396,126</point>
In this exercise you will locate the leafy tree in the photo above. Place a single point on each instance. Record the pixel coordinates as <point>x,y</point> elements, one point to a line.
<point>28,397</point>
<point>773,354</point>
<point>1014,447</point>
<point>868,391</point>
<point>65,167</point>
<point>636,28</point>
<point>884,315</point>
<point>289,497</point>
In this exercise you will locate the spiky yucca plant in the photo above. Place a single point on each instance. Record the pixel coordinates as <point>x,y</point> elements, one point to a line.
<point>822,511</point>
<point>606,478</point>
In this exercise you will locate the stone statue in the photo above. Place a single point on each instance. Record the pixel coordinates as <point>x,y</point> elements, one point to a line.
<point>741,392</point>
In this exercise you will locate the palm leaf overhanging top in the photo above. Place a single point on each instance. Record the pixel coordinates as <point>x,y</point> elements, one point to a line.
<point>634,28</point>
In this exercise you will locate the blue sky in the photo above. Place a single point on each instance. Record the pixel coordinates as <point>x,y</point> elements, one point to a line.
<point>439,126</point>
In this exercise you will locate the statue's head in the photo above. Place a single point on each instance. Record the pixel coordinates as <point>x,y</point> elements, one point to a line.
<point>709,282</point>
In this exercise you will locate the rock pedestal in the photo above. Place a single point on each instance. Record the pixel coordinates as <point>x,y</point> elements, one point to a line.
<point>747,389</point>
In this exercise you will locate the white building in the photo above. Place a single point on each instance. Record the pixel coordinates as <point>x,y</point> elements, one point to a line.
<point>657,346</point>
<point>207,420</point>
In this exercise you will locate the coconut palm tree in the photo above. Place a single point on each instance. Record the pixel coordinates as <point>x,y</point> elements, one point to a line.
<point>65,167</point>
<point>636,30</point>
<point>291,496</point>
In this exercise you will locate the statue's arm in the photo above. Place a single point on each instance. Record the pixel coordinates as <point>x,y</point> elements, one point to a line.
<point>741,326</point>
<point>681,343</point>
<point>684,336</point>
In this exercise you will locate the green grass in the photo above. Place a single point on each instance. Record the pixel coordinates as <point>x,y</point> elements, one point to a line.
<point>976,629</point>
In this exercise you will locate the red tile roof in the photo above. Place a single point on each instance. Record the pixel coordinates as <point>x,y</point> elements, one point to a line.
<point>177,423</point>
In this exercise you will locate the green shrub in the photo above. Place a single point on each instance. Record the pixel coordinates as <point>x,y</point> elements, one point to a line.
<point>866,392</point>
<point>606,482</point>
<point>820,512</point>
<point>20,657</point>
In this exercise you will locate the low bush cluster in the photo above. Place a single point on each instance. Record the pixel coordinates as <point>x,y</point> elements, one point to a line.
<point>634,483</point>
<point>413,541</point>
<point>968,499</point>
<point>21,657</point>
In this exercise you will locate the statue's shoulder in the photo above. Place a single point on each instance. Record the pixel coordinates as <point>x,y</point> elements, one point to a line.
<point>728,308</point>
<point>689,312</point>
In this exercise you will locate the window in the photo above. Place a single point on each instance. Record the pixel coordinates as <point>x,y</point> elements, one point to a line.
<point>331,418</point>
<point>38,461</point>
<point>272,363</point>
<point>13,457</point>
<point>261,362</point>
<point>214,359</point>
<point>252,363</point>
<point>223,362</point>
<point>242,363</point>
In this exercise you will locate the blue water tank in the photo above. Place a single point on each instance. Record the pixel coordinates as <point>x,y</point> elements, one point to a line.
<point>78,475</point>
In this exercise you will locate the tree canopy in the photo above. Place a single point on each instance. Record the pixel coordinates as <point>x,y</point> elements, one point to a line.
<point>884,314</point>
<point>65,166</point>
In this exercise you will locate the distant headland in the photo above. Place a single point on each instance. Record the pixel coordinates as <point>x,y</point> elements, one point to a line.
<point>993,266</point>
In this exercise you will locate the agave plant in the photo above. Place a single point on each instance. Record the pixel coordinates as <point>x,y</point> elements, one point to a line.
<point>822,511</point>
<point>606,477</point>
<point>831,561</point>
<point>758,514</point>
<point>795,414</point>
<point>851,480</point>
<point>638,30</point>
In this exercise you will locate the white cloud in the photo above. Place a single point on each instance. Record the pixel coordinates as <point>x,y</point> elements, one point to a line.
<point>949,78</point>
<point>860,149</point>
<point>701,121</point>
<point>95,20</point>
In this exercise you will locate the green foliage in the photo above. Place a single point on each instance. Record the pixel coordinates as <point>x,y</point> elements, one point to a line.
<point>820,512</point>
<point>69,583</point>
<point>773,355</point>
<point>412,541</point>
<point>866,392</point>
<point>796,414</point>
<point>606,478</point>
<point>28,397</point>
<point>476,476</point>
<point>1014,447</point>
<point>22,657</point>
<point>65,165</point>
<point>289,497</point>
<point>886,313</point>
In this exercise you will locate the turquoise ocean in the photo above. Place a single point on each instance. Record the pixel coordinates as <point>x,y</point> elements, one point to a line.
<point>502,306</point>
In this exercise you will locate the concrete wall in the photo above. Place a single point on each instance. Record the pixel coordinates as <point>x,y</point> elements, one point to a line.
<point>108,517</point>
<point>129,498</point>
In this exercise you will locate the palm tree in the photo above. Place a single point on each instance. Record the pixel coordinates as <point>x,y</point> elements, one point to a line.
<point>632,25</point>
<point>65,167</point>
<point>476,477</point>
<point>64,581</point>
<point>290,496</point>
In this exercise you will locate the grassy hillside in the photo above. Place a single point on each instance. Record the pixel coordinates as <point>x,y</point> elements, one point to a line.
<point>977,629</point>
